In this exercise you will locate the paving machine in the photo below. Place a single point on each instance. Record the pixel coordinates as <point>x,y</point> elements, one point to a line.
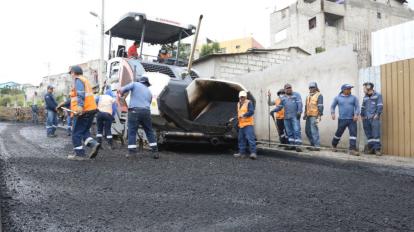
<point>185,108</point>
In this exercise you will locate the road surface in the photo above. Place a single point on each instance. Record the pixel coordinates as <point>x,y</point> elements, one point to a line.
<point>192,191</point>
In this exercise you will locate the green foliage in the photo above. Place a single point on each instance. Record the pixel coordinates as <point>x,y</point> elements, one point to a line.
<point>208,49</point>
<point>319,49</point>
<point>9,91</point>
<point>5,100</point>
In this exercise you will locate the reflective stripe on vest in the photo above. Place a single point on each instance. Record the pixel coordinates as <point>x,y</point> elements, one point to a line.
<point>312,105</point>
<point>89,102</point>
<point>281,113</point>
<point>243,122</point>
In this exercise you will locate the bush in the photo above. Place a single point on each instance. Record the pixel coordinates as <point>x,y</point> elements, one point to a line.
<point>5,100</point>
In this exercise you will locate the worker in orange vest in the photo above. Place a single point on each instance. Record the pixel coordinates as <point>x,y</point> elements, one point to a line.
<point>245,112</point>
<point>84,108</point>
<point>313,115</point>
<point>279,116</point>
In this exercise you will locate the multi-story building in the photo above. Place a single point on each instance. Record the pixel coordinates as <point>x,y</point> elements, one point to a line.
<point>317,25</point>
<point>234,46</point>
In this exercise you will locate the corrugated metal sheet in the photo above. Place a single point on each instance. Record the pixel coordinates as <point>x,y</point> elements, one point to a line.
<point>393,44</point>
<point>397,81</point>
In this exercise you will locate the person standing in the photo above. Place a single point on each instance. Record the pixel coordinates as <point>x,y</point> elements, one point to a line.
<point>292,103</point>
<point>279,116</point>
<point>51,111</point>
<point>105,116</point>
<point>349,112</point>
<point>371,111</point>
<point>313,114</point>
<point>139,114</point>
<point>35,109</point>
<point>245,112</point>
<point>84,108</point>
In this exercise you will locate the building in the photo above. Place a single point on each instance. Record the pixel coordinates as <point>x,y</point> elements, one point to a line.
<point>227,65</point>
<point>62,82</point>
<point>234,46</point>
<point>10,85</point>
<point>318,25</point>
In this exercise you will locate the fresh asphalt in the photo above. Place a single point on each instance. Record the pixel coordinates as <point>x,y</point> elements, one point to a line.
<point>194,189</point>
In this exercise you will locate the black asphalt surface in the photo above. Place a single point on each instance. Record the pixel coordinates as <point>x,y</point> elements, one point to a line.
<point>189,190</point>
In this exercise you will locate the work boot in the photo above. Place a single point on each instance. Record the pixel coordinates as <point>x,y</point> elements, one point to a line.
<point>316,149</point>
<point>131,154</point>
<point>94,150</point>
<point>253,156</point>
<point>354,152</point>
<point>334,148</point>
<point>238,155</point>
<point>378,153</point>
<point>298,149</point>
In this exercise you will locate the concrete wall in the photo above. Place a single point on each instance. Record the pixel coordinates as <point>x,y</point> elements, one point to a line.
<point>328,69</point>
<point>226,66</point>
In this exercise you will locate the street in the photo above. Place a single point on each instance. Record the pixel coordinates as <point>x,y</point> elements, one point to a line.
<point>192,190</point>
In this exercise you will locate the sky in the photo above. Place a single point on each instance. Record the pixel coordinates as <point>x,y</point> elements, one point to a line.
<point>45,37</point>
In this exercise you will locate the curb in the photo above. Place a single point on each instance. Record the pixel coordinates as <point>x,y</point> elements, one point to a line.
<point>398,164</point>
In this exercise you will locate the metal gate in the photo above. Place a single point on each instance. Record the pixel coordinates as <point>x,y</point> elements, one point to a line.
<point>397,87</point>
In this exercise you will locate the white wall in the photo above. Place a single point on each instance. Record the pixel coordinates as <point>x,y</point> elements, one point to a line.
<point>328,69</point>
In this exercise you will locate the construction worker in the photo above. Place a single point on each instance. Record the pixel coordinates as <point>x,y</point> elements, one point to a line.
<point>349,112</point>
<point>107,109</point>
<point>292,104</point>
<point>51,108</point>
<point>35,109</point>
<point>139,114</point>
<point>313,114</point>
<point>245,112</point>
<point>84,108</point>
<point>279,116</point>
<point>133,50</point>
<point>371,111</point>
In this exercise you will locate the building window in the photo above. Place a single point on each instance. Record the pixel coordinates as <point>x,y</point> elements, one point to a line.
<point>379,16</point>
<point>237,46</point>
<point>312,23</point>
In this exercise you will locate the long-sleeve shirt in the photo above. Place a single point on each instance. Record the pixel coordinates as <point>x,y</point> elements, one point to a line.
<point>320,105</point>
<point>372,105</point>
<point>50,102</point>
<point>80,92</point>
<point>348,106</point>
<point>141,96</point>
<point>292,104</point>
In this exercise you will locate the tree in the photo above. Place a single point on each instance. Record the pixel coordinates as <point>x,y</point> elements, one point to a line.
<point>208,49</point>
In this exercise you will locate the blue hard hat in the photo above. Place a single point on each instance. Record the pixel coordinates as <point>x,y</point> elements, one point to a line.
<point>313,85</point>
<point>144,80</point>
<point>76,69</point>
<point>50,87</point>
<point>346,86</point>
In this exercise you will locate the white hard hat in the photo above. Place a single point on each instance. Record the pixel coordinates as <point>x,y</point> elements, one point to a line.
<point>242,94</point>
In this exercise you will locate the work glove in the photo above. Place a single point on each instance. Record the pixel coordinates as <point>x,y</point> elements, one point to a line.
<point>78,110</point>
<point>305,117</point>
<point>298,115</point>
<point>355,118</point>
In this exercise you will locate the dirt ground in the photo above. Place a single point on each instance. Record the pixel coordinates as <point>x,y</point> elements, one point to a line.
<point>193,190</point>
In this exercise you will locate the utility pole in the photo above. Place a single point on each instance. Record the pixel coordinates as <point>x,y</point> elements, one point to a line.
<point>102,70</point>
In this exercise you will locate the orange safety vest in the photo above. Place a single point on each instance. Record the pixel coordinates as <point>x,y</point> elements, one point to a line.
<point>243,122</point>
<point>281,113</point>
<point>89,103</point>
<point>312,105</point>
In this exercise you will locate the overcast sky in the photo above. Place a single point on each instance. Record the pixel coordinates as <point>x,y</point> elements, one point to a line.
<point>42,37</point>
